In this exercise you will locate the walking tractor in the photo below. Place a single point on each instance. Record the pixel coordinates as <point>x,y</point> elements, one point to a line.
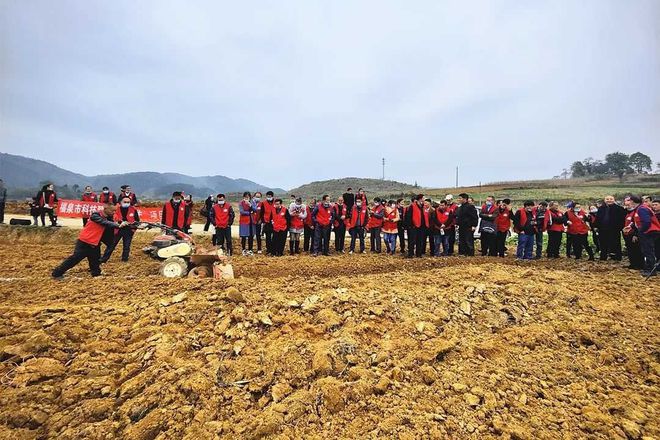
<point>180,256</point>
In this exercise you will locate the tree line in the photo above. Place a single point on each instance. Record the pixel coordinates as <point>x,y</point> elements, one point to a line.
<point>615,164</point>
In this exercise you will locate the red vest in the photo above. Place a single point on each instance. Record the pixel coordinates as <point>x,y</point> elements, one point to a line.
<point>416,216</point>
<point>441,217</point>
<point>323,215</point>
<point>268,209</point>
<point>221,215</point>
<point>107,198</point>
<point>388,221</point>
<point>190,210</point>
<point>50,202</point>
<point>339,211</point>
<point>523,220</point>
<point>503,220</point>
<point>91,197</point>
<point>244,219</point>
<point>578,222</point>
<point>308,220</point>
<point>180,215</point>
<point>256,216</point>
<point>130,214</point>
<point>655,224</point>
<point>279,219</point>
<point>354,217</point>
<point>373,221</point>
<point>297,222</point>
<point>629,222</point>
<point>557,221</point>
<point>427,216</point>
<point>92,233</point>
<point>485,210</point>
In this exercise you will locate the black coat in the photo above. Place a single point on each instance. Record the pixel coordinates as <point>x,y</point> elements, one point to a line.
<point>610,217</point>
<point>466,216</point>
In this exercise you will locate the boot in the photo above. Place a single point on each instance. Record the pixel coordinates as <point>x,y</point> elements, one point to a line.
<point>291,242</point>
<point>296,246</point>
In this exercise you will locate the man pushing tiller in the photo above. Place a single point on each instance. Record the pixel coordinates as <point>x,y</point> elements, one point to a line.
<point>87,245</point>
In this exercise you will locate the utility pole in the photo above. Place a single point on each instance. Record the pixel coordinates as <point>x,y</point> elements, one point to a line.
<point>456,176</point>
<point>383,168</point>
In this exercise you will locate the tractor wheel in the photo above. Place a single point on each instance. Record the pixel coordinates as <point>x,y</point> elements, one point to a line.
<point>200,272</point>
<point>174,267</point>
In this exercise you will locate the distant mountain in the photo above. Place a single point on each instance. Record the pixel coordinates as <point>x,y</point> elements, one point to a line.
<point>373,187</point>
<point>22,175</point>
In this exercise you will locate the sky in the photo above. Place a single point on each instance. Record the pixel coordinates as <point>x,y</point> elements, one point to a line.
<point>288,92</point>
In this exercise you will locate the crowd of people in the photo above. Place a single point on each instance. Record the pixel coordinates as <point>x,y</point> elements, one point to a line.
<point>414,228</point>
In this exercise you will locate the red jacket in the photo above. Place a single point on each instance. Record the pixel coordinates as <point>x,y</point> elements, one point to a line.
<point>503,220</point>
<point>222,215</point>
<point>91,233</point>
<point>279,219</point>
<point>416,215</point>
<point>91,197</point>
<point>267,211</point>
<point>578,222</point>
<point>169,214</point>
<point>308,220</point>
<point>340,210</point>
<point>256,216</point>
<point>323,214</point>
<point>50,201</point>
<point>244,219</point>
<point>557,219</point>
<point>296,221</point>
<point>130,214</point>
<point>442,218</point>
<point>389,225</point>
<point>364,216</point>
<point>655,224</point>
<point>108,198</point>
<point>375,222</point>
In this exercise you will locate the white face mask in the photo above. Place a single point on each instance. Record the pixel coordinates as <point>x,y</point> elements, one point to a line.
<point>221,202</point>
<point>270,199</point>
<point>125,205</point>
<point>576,209</point>
<point>256,199</point>
<point>106,192</point>
<point>358,204</point>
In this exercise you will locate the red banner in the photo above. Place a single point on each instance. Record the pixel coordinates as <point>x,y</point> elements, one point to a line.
<point>80,209</point>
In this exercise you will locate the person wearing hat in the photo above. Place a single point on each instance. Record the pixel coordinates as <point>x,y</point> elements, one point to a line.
<point>417,222</point>
<point>467,220</point>
<point>451,232</point>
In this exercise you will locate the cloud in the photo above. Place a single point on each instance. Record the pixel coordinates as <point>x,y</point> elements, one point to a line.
<point>288,93</point>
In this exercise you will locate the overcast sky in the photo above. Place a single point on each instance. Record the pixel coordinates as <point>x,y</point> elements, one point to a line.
<point>288,92</point>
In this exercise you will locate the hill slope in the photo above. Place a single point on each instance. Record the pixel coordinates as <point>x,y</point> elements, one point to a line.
<point>22,174</point>
<point>335,187</point>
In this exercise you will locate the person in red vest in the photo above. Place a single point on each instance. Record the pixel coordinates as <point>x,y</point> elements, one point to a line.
<point>222,217</point>
<point>525,225</point>
<point>266,217</point>
<point>308,239</point>
<point>280,222</point>
<point>357,224</point>
<point>257,205</point>
<point>375,224</point>
<point>88,196</point>
<point>441,219</point>
<point>428,230</point>
<point>647,227</point>
<point>631,237</point>
<point>127,191</point>
<point>655,206</point>
<point>323,217</point>
<point>391,221</point>
<point>554,224</point>
<point>401,225</point>
<point>488,227</point>
<point>124,212</point>
<point>87,245</point>
<point>416,221</point>
<point>107,196</point>
<point>246,223</point>
<point>339,225</point>
<point>175,212</point>
<point>452,207</point>
<point>577,226</point>
<point>297,217</point>
<point>47,199</point>
<point>363,196</point>
<point>540,211</point>
<point>503,225</point>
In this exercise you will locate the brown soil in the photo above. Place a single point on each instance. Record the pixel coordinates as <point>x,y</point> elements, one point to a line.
<point>357,346</point>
